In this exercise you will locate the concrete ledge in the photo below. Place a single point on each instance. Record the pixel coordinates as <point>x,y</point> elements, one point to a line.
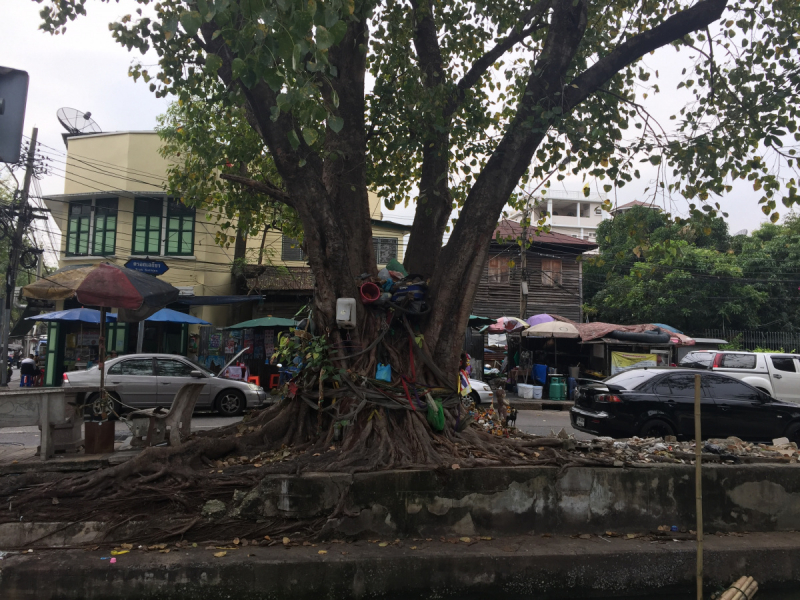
<point>519,567</point>
<point>523,404</point>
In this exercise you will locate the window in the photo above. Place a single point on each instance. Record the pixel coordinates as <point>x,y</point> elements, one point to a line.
<point>173,368</point>
<point>551,272</point>
<point>385,249</point>
<point>598,211</point>
<point>291,249</point>
<point>783,363</point>
<point>739,361</point>
<point>147,226</point>
<point>499,270</point>
<point>678,385</point>
<point>80,214</point>
<point>698,360</point>
<point>727,388</point>
<point>139,366</point>
<point>105,227</point>
<point>180,229</point>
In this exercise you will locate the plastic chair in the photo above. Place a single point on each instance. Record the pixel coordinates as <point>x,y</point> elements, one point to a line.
<point>254,379</point>
<point>149,427</point>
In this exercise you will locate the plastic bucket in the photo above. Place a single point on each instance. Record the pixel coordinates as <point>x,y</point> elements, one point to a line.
<point>370,292</point>
<point>525,390</point>
<point>537,392</point>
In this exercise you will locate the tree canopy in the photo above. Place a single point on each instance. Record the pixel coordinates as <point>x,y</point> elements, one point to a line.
<point>455,103</point>
<point>649,269</point>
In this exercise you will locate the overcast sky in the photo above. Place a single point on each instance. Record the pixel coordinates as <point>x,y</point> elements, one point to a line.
<point>85,69</point>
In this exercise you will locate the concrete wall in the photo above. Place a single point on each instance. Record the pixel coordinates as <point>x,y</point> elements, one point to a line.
<point>537,499</point>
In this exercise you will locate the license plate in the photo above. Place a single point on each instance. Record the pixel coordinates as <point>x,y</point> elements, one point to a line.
<point>579,421</point>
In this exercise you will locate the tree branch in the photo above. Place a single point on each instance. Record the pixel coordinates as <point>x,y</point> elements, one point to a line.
<point>677,26</point>
<point>480,66</point>
<point>261,187</point>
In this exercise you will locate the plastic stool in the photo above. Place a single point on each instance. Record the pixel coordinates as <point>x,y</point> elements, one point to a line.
<point>25,380</point>
<point>274,380</point>
<point>254,379</point>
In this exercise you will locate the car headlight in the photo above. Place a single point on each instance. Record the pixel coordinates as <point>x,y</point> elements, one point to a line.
<point>255,388</point>
<point>486,388</point>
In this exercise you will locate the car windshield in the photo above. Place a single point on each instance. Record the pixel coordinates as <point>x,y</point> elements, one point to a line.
<point>630,379</point>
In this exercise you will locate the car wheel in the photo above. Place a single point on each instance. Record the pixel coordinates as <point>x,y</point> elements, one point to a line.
<point>793,433</point>
<point>476,397</point>
<point>92,408</point>
<point>656,428</point>
<point>230,403</point>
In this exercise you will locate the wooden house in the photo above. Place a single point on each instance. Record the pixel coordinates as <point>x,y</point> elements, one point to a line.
<point>553,274</point>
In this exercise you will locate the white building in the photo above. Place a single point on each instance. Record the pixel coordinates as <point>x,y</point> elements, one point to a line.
<point>569,213</point>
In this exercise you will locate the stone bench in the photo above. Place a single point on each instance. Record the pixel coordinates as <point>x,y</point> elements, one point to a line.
<point>53,410</point>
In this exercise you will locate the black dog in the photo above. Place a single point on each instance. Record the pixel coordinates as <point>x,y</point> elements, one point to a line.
<point>511,419</point>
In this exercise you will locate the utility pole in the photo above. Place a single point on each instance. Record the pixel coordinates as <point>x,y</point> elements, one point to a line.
<point>15,252</point>
<point>523,261</point>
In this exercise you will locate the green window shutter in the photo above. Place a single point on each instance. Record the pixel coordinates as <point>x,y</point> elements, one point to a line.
<point>180,229</point>
<point>147,226</point>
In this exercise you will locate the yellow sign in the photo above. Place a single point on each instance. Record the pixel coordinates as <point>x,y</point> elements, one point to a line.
<point>622,361</point>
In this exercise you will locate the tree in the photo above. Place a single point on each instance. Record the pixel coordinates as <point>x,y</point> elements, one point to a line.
<point>770,260</point>
<point>470,98</point>
<point>685,286</point>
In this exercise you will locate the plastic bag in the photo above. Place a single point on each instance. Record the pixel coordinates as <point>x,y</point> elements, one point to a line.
<point>383,372</point>
<point>435,414</point>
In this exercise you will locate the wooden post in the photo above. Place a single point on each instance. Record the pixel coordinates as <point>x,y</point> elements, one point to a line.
<point>698,485</point>
<point>102,362</point>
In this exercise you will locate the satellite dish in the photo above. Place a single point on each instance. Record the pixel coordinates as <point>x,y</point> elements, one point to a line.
<point>741,232</point>
<point>77,122</point>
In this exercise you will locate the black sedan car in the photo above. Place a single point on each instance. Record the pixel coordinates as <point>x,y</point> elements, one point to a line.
<point>659,401</point>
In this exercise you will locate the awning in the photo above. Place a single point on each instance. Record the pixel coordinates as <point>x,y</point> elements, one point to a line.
<point>476,321</point>
<point>264,322</point>
<point>167,315</point>
<point>216,300</point>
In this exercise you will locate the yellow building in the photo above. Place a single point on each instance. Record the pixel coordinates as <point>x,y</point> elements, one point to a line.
<point>114,208</point>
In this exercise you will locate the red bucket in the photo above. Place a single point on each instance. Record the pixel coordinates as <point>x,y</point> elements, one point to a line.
<point>370,292</point>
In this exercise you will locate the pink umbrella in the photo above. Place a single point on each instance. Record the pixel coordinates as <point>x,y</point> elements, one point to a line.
<point>507,325</point>
<point>536,319</point>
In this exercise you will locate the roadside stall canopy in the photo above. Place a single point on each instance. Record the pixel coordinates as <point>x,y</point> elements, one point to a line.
<point>476,321</point>
<point>264,322</point>
<point>83,315</point>
<point>167,315</point>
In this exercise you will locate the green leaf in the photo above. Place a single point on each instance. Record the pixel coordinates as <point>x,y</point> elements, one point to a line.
<point>238,67</point>
<point>335,123</point>
<point>294,141</point>
<point>310,135</point>
<point>297,56</point>
<point>339,29</point>
<point>331,16</point>
<point>191,21</point>
<point>324,38</point>
<point>213,63</point>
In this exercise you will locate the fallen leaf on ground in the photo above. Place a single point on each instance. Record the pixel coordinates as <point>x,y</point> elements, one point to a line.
<point>383,544</point>
<point>322,552</point>
<point>413,547</point>
<point>126,546</point>
<point>486,538</point>
<point>585,536</point>
<point>55,500</point>
<point>164,551</point>
<point>118,552</point>
<point>286,541</point>
<point>455,466</point>
<point>266,537</point>
<point>220,554</point>
<point>466,540</point>
<point>235,541</point>
<point>316,454</point>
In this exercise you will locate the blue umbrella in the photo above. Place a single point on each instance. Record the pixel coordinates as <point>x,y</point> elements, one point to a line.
<point>167,315</point>
<point>83,315</point>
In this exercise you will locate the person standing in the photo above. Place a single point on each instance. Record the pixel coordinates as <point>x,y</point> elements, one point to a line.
<point>27,371</point>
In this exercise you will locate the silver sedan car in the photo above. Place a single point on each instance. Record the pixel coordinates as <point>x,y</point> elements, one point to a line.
<point>148,380</point>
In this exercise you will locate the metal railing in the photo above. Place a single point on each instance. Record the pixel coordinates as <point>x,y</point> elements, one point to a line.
<point>752,339</point>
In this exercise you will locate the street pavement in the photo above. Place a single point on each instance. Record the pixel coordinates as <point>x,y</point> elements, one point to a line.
<point>543,422</point>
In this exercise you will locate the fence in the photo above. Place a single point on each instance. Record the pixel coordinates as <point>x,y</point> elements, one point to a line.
<point>750,340</point>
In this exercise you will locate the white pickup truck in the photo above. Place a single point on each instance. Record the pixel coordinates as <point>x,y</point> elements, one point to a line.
<point>778,374</point>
